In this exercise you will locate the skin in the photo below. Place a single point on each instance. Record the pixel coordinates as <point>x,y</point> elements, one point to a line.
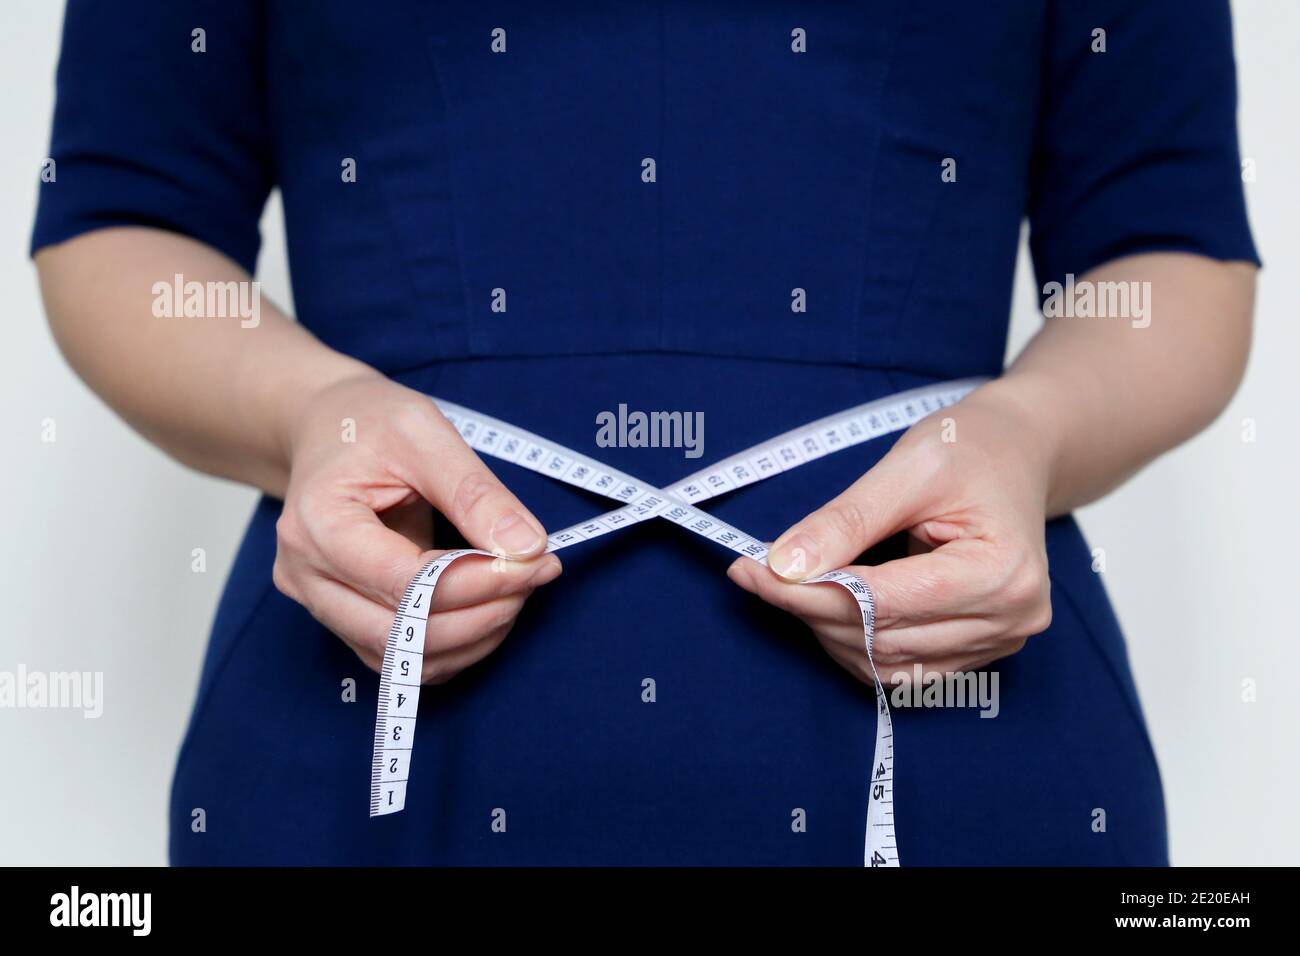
<point>1087,404</point>
<point>265,406</point>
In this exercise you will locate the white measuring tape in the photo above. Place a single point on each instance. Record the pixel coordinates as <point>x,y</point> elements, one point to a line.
<point>399,680</point>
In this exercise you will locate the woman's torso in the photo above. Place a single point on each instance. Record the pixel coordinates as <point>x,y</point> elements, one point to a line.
<point>523,171</point>
<point>486,177</point>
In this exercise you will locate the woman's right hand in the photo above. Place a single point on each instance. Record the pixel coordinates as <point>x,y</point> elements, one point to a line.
<point>367,459</point>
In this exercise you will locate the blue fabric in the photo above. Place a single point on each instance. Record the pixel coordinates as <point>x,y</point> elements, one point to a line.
<point>775,170</point>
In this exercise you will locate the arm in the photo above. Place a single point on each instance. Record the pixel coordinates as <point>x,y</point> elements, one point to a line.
<point>1133,149</point>
<point>148,132</point>
<point>1088,402</point>
<point>216,396</point>
<point>265,405</point>
<point>1105,397</point>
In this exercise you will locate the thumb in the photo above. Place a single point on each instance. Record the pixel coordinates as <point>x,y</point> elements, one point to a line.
<point>880,503</point>
<point>452,478</point>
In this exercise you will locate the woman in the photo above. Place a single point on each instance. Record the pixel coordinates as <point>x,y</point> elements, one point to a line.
<point>755,214</point>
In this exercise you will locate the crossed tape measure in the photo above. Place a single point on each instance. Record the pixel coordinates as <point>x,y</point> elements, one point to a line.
<point>399,682</point>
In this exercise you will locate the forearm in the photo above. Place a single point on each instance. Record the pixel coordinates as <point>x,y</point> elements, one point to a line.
<point>1102,397</point>
<point>215,394</point>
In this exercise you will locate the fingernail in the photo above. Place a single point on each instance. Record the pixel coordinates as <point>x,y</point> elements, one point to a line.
<point>796,558</point>
<point>513,535</point>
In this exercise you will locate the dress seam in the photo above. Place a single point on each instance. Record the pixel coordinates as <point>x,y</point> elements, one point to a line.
<point>932,374</point>
<point>457,236</point>
<point>864,270</point>
<point>341,134</point>
<point>660,218</point>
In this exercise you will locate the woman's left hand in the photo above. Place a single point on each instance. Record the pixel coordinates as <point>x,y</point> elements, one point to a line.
<point>970,485</point>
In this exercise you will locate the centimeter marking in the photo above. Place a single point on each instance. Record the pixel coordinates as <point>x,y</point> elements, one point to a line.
<point>399,686</point>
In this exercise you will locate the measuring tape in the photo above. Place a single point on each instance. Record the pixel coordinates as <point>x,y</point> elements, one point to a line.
<point>399,677</point>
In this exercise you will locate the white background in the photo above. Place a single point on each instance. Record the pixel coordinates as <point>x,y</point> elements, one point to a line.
<point>98,528</point>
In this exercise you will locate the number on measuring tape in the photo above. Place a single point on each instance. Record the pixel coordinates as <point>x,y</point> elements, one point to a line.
<point>402,668</point>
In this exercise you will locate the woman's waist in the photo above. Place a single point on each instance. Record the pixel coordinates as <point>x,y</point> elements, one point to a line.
<point>667,413</point>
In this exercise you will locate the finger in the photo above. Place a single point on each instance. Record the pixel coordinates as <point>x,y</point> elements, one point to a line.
<point>462,627</point>
<point>922,589</point>
<point>951,644</point>
<point>413,521</point>
<point>955,637</point>
<point>956,580</point>
<point>928,669</point>
<point>883,501</point>
<point>920,612</point>
<point>365,625</point>
<point>454,479</point>
<point>358,621</point>
<point>809,603</point>
<point>353,547</point>
<point>440,668</point>
<point>475,581</point>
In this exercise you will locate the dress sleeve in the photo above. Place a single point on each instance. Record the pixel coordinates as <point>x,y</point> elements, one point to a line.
<point>148,131</point>
<point>1136,147</point>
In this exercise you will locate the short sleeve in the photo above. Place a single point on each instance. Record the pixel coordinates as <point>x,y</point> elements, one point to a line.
<point>158,125</point>
<point>1136,147</point>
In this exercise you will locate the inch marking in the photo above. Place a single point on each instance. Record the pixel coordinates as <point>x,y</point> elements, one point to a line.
<point>395,720</point>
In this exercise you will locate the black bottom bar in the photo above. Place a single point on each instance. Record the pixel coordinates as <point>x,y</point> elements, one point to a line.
<point>907,906</point>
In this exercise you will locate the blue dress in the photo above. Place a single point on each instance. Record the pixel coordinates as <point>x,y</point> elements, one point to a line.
<point>881,157</point>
